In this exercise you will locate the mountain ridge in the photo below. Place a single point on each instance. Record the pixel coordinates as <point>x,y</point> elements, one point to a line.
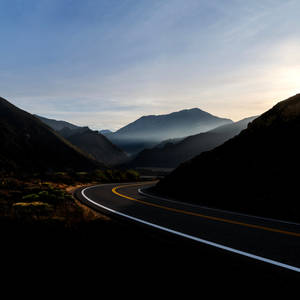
<point>89,141</point>
<point>147,131</point>
<point>174,152</point>
<point>182,114</point>
<point>253,172</point>
<point>57,124</point>
<point>29,145</point>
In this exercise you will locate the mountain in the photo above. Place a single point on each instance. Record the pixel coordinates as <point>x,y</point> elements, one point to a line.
<point>28,145</point>
<point>106,132</point>
<point>89,141</point>
<point>171,153</point>
<point>96,145</point>
<point>254,172</point>
<point>148,131</point>
<point>57,125</point>
<point>169,141</point>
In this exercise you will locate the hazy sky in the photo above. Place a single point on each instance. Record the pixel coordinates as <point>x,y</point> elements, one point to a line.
<point>104,63</point>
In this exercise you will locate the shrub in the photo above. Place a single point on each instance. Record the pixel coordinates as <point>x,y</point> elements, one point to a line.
<point>10,183</point>
<point>32,209</point>
<point>132,175</point>
<point>47,185</point>
<point>101,176</point>
<point>61,177</point>
<point>30,197</point>
<point>43,194</point>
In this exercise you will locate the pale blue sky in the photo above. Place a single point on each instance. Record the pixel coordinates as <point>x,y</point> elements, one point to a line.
<point>104,63</point>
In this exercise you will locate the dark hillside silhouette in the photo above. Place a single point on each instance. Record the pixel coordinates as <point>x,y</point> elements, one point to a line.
<point>97,145</point>
<point>171,154</point>
<point>28,145</point>
<point>254,172</point>
<point>91,142</point>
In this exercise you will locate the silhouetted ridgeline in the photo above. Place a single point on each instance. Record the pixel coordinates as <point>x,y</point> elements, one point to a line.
<point>148,131</point>
<point>57,125</point>
<point>89,141</point>
<point>28,145</point>
<point>97,145</point>
<point>254,172</point>
<point>172,153</point>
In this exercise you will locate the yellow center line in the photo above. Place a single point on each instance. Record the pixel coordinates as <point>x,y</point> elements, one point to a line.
<point>114,190</point>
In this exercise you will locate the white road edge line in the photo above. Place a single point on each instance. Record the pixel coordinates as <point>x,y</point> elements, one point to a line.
<point>270,261</point>
<point>141,192</point>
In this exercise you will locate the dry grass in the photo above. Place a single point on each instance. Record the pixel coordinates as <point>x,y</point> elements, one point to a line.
<point>88,213</point>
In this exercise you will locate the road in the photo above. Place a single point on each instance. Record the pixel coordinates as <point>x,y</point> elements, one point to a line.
<point>270,241</point>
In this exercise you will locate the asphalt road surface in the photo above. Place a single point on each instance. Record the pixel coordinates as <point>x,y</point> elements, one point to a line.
<point>272,242</point>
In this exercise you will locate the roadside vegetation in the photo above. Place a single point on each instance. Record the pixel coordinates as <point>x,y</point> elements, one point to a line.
<point>45,200</point>
<point>42,224</point>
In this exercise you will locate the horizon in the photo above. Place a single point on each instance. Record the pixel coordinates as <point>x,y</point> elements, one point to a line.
<point>153,115</point>
<point>104,64</point>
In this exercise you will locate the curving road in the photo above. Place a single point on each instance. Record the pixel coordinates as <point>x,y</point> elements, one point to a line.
<point>271,241</point>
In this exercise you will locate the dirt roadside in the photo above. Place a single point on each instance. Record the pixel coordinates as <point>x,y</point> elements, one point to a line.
<point>88,213</point>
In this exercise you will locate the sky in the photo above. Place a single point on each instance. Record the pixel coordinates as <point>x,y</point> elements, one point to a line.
<point>105,63</point>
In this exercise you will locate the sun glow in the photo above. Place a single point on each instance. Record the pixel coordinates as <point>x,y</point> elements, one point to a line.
<point>288,79</point>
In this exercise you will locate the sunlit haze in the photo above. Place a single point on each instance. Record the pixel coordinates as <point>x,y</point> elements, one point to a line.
<point>106,63</point>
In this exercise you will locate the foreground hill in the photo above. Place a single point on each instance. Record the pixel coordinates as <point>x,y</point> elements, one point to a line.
<point>29,145</point>
<point>171,154</point>
<point>254,172</point>
<point>148,131</point>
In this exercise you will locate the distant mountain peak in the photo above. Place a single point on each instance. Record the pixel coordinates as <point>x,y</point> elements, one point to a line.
<point>150,130</point>
<point>172,152</point>
<point>181,118</point>
<point>186,110</point>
